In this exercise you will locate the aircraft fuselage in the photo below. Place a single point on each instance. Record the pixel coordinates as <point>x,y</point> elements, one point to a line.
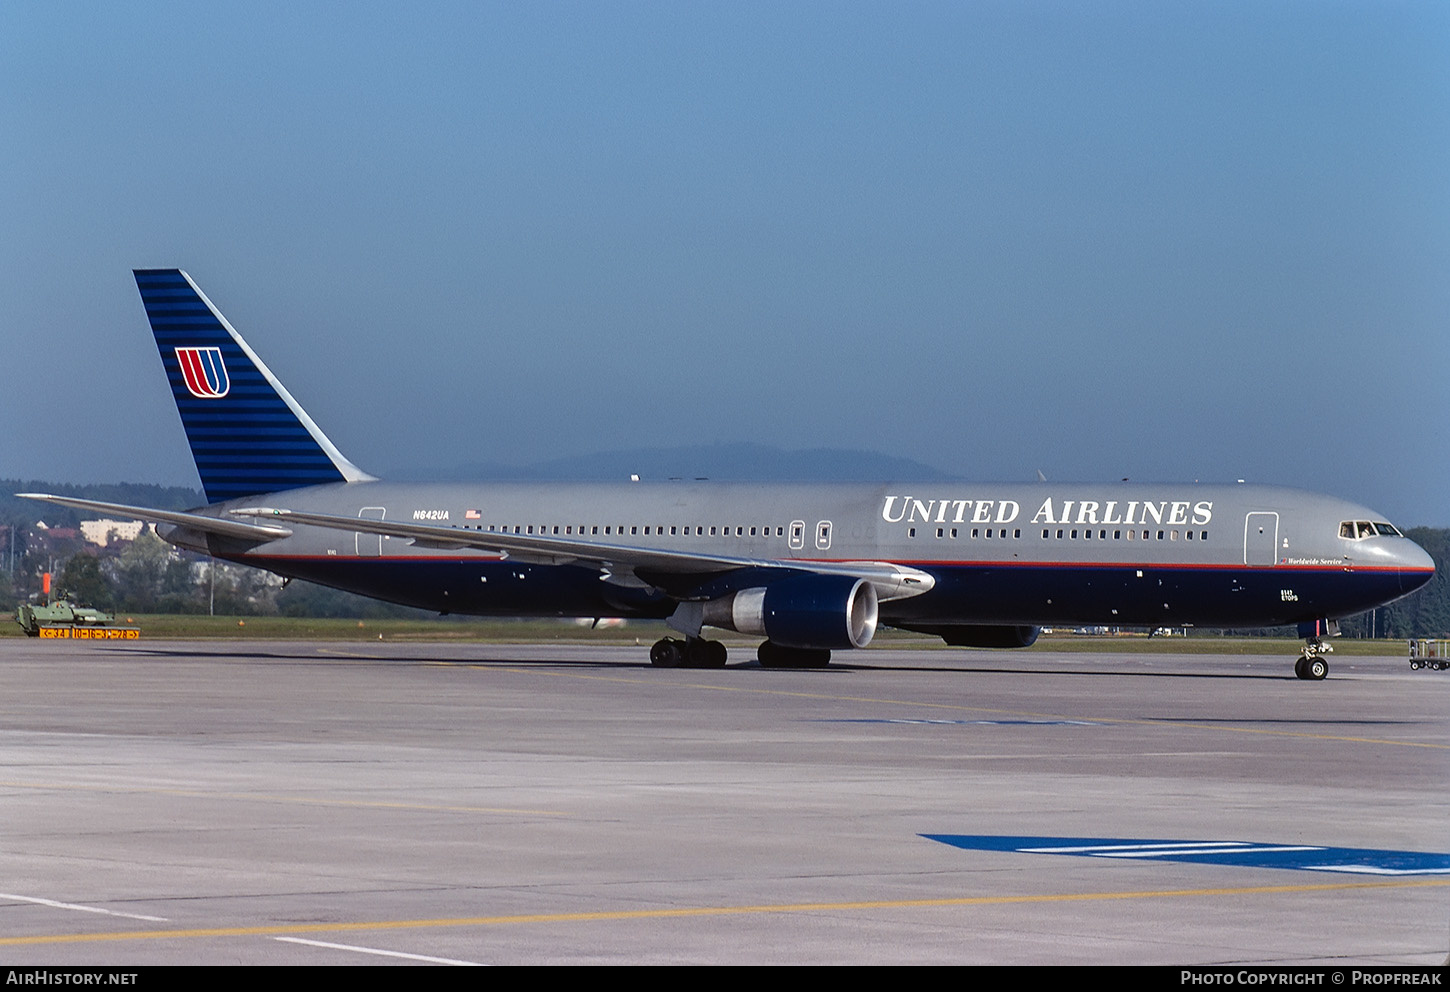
<point>1034,554</point>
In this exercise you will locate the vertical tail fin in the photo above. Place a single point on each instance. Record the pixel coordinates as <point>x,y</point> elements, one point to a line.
<point>248,435</point>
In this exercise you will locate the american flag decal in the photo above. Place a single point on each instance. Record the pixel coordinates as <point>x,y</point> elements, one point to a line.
<point>472,515</point>
<point>205,375</point>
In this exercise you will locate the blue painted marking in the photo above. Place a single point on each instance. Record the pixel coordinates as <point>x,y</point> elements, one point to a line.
<point>978,723</point>
<point>1239,854</point>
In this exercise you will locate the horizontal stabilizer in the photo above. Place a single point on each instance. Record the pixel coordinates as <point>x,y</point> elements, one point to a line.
<point>192,521</point>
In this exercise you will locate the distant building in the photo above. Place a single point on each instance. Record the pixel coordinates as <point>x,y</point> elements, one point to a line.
<point>45,538</point>
<point>100,531</point>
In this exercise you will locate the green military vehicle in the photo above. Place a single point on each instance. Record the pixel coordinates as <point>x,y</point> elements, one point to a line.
<point>64,619</point>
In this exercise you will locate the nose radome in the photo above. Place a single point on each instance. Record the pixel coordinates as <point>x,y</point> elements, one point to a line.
<point>1416,567</point>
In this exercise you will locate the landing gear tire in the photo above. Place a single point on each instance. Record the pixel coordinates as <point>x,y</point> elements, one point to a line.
<point>670,652</point>
<point>700,653</point>
<point>773,655</point>
<point>1312,666</point>
<point>667,653</point>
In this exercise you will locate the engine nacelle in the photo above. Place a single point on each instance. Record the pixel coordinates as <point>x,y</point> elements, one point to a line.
<point>807,611</point>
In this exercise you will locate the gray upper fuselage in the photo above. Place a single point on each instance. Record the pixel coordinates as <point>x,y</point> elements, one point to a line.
<point>900,522</point>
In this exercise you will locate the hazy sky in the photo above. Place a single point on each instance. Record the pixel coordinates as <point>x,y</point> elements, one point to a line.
<point>1156,240</point>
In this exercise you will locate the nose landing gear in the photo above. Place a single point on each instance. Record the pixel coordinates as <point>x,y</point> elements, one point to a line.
<point>1311,665</point>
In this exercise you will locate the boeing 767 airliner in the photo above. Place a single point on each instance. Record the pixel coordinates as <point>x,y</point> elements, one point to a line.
<point>809,568</point>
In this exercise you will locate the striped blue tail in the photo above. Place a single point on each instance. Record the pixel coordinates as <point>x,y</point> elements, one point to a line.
<point>247,434</point>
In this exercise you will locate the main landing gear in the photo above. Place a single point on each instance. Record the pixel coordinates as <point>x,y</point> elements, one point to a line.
<point>692,652</point>
<point>696,652</point>
<point>1311,665</point>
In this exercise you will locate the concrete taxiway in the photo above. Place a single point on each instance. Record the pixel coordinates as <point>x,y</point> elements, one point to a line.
<point>300,803</point>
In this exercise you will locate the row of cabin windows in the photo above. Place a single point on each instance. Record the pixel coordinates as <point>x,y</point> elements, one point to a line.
<point>582,530</point>
<point>952,533</point>
<point>1131,535</point>
<point>1072,535</point>
<point>977,532</point>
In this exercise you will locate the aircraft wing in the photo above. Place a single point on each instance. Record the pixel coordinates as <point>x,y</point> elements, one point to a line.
<point>891,581</point>
<point>192,521</point>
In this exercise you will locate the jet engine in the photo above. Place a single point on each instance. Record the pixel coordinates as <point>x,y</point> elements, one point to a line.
<point>807,611</point>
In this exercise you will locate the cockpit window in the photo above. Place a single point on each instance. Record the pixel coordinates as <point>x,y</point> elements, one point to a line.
<point>1358,530</point>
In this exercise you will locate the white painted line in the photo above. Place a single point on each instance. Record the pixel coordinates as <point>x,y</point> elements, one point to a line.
<point>378,951</point>
<point>1372,870</point>
<point>1237,845</point>
<point>81,909</point>
<point>1179,852</point>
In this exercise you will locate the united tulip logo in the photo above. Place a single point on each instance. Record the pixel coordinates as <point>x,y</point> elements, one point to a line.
<point>205,375</point>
